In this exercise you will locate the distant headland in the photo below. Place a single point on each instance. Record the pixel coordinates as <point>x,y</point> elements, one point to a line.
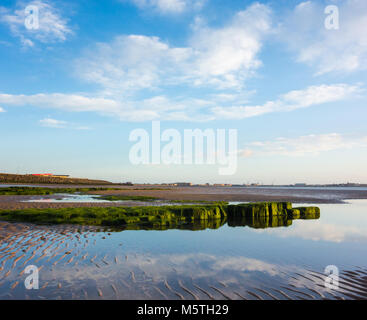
<point>47,179</point>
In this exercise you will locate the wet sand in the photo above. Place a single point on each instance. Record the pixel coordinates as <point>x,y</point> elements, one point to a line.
<point>69,264</point>
<point>81,262</point>
<point>305,195</point>
<point>17,203</point>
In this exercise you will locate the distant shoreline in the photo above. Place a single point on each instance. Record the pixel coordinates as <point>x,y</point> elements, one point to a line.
<point>305,195</point>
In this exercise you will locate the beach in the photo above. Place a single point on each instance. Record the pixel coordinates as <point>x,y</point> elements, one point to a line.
<point>225,263</point>
<point>251,258</point>
<point>230,194</point>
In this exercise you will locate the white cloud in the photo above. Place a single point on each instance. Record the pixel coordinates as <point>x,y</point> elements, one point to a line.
<point>66,102</point>
<point>342,50</point>
<point>144,78</point>
<point>213,265</point>
<point>131,63</point>
<point>313,95</point>
<point>312,144</point>
<point>222,57</point>
<point>160,107</point>
<point>52,26</point>
<point>2,110</point>
<point>53,123</point>
<point>227,56</point>
<point>137,73</point>
<point>244,264</point>
<point>169,6</point>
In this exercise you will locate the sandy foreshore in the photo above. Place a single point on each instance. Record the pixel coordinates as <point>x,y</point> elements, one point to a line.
<point>295,195</point>
<point>93,263</point>
<point>306,195</point>
<point>75,259</point>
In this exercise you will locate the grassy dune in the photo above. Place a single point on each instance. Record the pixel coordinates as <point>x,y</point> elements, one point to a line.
<point>27,178</point>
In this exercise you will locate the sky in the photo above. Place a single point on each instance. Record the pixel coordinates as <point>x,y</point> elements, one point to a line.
<point>289,76</point>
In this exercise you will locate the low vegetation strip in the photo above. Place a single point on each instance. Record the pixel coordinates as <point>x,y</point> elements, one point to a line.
<point>115,216</point>
<point>162,215</point>
<point>10,191</point>
<point>27,178</point>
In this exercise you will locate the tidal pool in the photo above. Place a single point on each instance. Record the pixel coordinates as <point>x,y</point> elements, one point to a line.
<point>92,198</point>
<point>208,260</point>
<point>67,197</point>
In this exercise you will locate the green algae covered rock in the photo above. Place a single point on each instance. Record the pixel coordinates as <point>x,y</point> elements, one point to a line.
<point>272,209</point>
<point>260,222</point>
<point>256,215</point>
<point>259,209</point>
<point>309,212</point>
<point>117,216</point>
<point>294,213</point>
<point>174,224</point>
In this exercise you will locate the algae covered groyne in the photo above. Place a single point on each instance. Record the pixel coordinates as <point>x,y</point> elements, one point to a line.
<point>268,214</point>
<point>271,209</point>
<point>163,217</point>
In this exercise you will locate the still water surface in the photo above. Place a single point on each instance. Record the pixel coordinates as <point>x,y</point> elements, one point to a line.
<point>224,263</point>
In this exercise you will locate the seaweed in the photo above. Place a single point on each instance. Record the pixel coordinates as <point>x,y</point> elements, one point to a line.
<point>255,215</point>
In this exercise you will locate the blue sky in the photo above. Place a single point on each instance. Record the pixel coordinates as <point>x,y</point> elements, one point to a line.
<point>72,90</point>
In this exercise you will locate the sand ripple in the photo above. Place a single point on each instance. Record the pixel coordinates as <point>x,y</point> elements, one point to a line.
<point>74,267</point>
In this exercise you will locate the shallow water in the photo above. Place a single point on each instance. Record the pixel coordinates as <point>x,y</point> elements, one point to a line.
<point>224,262</point>
<point>67,197</point>
<point>92,198</point>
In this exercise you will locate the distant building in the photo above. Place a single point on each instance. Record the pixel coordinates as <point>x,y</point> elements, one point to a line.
<point>183,184</point>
